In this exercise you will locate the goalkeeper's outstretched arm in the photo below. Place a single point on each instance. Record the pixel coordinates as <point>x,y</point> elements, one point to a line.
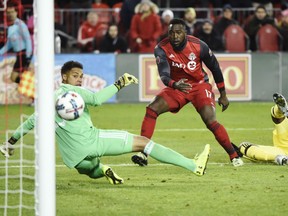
<point>96,99</point>
<point>7,149</point>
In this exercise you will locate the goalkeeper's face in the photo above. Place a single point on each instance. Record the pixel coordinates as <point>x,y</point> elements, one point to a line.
<point>73,77</point>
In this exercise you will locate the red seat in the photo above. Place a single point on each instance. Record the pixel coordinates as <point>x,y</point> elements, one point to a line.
<point>235,39</point>
<point>268,39</point>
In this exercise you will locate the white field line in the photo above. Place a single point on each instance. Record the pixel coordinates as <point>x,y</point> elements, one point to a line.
<point>205,129</point>
<point>180,129</point>
<point>130,165</point>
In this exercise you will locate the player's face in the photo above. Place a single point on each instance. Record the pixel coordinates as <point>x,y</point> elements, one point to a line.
<point>177,34</point>
<point>73,77</point>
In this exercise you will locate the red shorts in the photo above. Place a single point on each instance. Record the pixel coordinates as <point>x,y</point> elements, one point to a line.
<point>200,95</point>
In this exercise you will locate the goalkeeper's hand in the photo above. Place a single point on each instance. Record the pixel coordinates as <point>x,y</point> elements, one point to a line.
<point>125,80</point>
<point>7,148</point>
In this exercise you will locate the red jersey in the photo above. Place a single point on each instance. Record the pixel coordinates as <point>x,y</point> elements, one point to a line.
<point>174,65</point>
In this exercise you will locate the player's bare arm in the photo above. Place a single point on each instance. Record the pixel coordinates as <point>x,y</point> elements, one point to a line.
<point>213,65</point>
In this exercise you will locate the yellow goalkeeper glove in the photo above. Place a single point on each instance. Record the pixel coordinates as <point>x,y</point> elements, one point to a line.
<point>125,80</point>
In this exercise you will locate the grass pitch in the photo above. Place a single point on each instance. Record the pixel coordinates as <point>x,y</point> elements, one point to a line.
<point>159,189</point>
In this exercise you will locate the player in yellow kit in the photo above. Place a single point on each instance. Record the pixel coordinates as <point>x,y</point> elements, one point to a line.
<point>279,152</point>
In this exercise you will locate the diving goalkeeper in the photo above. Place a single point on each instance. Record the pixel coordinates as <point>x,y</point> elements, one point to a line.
<point>82,145</point>
<point>279,152</point>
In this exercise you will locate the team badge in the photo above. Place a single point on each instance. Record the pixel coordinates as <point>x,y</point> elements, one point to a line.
<point>192,57</point>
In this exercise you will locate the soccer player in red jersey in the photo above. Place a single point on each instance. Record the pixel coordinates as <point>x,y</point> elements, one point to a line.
<point>179,59</point>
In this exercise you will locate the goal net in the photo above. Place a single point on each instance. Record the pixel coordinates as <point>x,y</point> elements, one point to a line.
<point>17,179</point>
<point>27,179</point>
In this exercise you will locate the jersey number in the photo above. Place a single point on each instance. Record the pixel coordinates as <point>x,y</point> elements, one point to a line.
<point>208,94</point>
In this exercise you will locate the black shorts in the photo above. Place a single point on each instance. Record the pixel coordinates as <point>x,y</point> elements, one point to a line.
<point>22,62</point>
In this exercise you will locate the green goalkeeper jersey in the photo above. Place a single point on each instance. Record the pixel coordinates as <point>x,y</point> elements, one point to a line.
<point>76,138</point>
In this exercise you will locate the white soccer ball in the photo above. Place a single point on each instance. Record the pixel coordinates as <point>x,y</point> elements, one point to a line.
<point>70,105</point>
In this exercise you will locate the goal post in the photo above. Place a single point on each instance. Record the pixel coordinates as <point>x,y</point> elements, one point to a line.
<point>44,108</point>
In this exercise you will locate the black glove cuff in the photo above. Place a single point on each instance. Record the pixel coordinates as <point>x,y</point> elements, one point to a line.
<point>117,86</point>
<point>12,140</point>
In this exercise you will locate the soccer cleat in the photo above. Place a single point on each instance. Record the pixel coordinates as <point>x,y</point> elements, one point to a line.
<point>7,149</point>
<point>111,176</point>
<point>140,159</point>
<point>281,160</point>
<point>236,162</point>
<point>201,161</point>
<point>281,102</point>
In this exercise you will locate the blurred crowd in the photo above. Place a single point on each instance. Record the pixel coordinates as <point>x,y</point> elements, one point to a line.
<point>121,26</point>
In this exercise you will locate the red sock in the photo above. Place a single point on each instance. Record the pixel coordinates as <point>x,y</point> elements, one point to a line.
<point>222,137</point>
<point>149,122</point>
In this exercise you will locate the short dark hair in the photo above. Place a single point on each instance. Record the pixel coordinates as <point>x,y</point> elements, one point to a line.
<point>177,21</point>
<point>261,7</point>
<point>69,65</point>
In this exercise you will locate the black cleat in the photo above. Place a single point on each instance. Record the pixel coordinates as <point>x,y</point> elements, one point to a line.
<point>140,159</point>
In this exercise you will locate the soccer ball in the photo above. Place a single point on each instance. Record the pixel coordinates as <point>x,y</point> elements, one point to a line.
<point>70,105</point>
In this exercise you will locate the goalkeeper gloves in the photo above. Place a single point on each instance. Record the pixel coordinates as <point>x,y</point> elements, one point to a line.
<point>7,148</point>
<point>125,80</point>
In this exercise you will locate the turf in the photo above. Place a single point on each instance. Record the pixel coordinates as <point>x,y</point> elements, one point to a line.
<point>156,190</point>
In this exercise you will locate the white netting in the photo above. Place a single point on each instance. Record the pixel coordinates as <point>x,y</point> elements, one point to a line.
<point>17,177</point>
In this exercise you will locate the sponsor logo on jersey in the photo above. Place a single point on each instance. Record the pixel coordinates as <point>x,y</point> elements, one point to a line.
<point>191,65</point>
<point>179,65</point>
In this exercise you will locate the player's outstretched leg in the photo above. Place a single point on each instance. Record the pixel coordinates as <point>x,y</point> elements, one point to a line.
<point>165,155</point>
<point>111,176</point>
<point>281,102</point>
<point>140,159</point>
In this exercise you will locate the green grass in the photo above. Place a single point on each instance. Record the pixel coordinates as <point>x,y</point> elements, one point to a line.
<point>156,190</point>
